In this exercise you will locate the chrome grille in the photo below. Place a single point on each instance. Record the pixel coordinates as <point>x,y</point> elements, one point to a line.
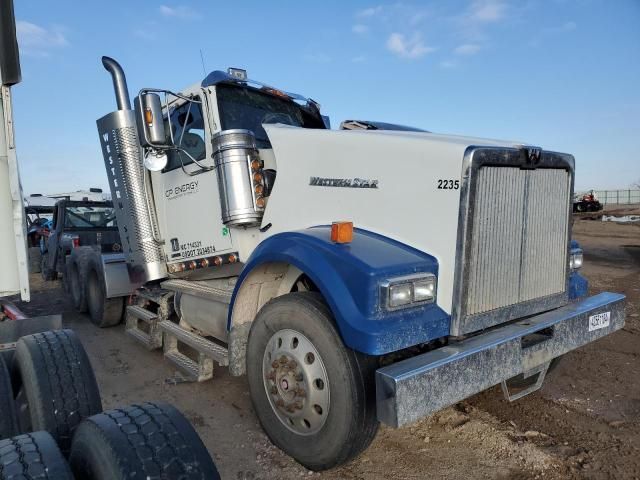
<point>518,246</point>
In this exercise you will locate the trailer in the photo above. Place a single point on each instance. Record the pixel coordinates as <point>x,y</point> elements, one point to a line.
<point>356,277</point>
<point>83,246</point>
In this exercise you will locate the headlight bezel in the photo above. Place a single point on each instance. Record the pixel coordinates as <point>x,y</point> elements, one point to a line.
<point>397,283</point>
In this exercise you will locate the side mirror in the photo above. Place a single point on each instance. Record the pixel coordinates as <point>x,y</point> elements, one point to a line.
<point>149,120</point>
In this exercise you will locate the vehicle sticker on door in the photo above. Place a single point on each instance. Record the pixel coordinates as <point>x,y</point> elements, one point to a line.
<point>599,320</point>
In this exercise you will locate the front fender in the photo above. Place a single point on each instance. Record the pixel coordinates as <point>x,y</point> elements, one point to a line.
<point>349,277</point>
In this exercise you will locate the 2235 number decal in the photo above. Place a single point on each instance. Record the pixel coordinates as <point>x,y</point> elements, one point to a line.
<point>448,184</point>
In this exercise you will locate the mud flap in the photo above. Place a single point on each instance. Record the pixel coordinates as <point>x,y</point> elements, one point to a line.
<point>540,371</point>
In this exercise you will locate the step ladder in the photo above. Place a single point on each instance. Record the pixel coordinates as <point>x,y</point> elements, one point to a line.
<point>142,319</point>
<point>205,351</point>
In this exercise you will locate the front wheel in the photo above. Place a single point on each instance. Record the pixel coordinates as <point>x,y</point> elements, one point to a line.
<point>314,397</point>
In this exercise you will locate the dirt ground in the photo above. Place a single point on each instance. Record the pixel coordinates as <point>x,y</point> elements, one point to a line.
<point>584,422</point>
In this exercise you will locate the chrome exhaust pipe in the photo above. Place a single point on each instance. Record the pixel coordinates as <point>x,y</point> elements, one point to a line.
<point>119,82</point>
<point>123,156</point>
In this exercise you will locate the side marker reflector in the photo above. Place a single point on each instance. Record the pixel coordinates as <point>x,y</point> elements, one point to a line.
<point>342,232</point>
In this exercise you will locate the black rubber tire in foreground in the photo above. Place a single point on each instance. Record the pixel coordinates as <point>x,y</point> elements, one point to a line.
<point>8,419</point>
<point>56,380</point>
<point>146,441</point>
<point>104,312</point>
<point>351,422</point>
<point>33,456</point>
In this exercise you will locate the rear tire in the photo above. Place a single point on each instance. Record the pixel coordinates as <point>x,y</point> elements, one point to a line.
<point>32,456</point>
<point>77,267</point>
<point>35,259</point>
<point>47,273</point>
<point>150,440</point>
<point>57,388</point>
<point>104,312</point>
<point>8,417</point>
<point>288,387</point>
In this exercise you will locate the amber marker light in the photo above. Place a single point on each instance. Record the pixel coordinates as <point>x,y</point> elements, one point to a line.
<point>204,263</point>
<point>148,116</point>
<point>193,265</point>
<point>217,261</point>
<point>260,202</point>
<point>233,258</point>
<point>257,177</point>
<point>342,232</point>
<point>255,165</point>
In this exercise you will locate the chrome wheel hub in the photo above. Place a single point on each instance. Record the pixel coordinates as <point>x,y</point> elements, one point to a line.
<point>296,382</point>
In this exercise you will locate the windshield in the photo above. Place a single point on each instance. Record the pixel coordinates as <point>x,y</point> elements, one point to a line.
<point>89,217</point>
<point>249,109</point>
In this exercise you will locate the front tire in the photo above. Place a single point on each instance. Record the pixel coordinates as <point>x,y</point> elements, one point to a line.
<point>314,397</point>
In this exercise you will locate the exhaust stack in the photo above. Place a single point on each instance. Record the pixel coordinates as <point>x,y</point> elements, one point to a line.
<point>119,82</point>
<point>128,183</point>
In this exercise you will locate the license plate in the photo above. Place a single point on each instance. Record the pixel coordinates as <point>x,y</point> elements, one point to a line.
<point>599,320</point>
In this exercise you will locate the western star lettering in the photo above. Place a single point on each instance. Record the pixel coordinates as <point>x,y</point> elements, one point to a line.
<point>343,182</point>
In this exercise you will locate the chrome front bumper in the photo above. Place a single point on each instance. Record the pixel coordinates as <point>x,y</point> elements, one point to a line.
<point>419,386</point>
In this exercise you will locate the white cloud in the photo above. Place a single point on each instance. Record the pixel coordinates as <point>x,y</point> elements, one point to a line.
<point>39,41</point>
<point>487,11</point>
<point>369,12</point>
<point>467,49</point>
<point>412,48</point>
<point>179,11</point>
<point>359,29</point>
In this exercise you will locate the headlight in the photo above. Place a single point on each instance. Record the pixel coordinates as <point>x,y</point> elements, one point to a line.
<point>408,291</point>
<point>575,259</point>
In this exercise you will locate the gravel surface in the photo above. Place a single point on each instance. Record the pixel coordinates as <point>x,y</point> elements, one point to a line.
<point>583,423</point>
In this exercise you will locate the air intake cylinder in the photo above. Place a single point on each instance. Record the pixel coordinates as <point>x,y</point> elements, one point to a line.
<point>240,177</point>
<point>123,161</point>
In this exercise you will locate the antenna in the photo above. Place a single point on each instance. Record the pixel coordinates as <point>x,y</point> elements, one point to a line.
<point>204,70</point>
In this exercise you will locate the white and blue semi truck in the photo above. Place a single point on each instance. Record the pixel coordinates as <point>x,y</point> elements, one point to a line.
<point>354,276</point>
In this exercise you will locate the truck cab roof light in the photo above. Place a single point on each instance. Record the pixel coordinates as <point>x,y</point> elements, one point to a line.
<point>342,232</point>
<point>238,73</point>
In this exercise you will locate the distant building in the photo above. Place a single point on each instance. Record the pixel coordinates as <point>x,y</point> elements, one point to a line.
<point>93,194</point>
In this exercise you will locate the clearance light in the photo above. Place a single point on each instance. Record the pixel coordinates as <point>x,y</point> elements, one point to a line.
<point>342,232</point>
<point>260,202</point>
<point>193,265</point>
<point>257,177</point>
<point>256,165</point>
<point>233,258</point>
<point>204,263</point>
<point>148,116</point>
<point>217,261</point>
<point>259,189</point>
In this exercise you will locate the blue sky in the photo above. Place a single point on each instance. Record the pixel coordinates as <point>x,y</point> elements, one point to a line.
<point>562,74</point>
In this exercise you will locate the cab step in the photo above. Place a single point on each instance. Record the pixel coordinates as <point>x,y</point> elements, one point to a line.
<point>206,351</point>
<point>142,325</point>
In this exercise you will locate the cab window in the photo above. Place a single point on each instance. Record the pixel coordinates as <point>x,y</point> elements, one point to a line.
<point>187,124</point>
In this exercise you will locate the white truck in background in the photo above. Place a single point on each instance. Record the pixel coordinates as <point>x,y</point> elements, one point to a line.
<point>355,276</point>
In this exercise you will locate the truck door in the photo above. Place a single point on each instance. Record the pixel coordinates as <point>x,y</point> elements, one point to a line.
<point>189,199</point>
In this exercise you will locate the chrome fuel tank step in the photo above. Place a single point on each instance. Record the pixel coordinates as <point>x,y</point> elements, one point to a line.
<point>195,361</point>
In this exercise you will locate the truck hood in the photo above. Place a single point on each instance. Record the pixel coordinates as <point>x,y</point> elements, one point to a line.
<point>317,174</point>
